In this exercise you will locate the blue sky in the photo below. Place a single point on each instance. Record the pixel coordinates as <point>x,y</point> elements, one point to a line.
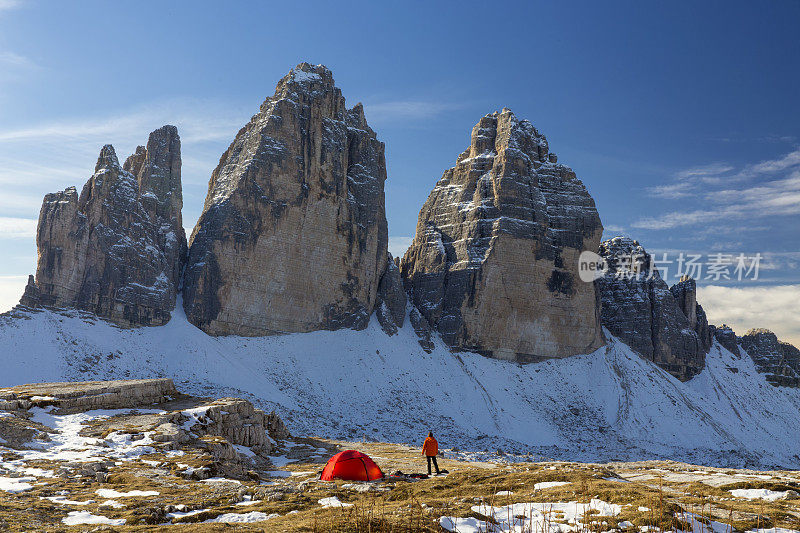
<point>681,119</point>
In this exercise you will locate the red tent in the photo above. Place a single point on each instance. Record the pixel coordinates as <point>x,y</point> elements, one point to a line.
<point>351,465</point>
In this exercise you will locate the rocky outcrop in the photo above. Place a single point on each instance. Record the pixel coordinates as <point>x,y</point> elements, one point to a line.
<point>391,303</point>
<point>293,233</point>
<point>727,338</point>
<point>117,249</point>
<point>685,294</point>
<point>157,168</point>
<point>422,329</point>
<point>779,361</point>
<point>640,309</point>
<point>493,265</point>
<point>88,395</point>
<point>237,421</point>
<point>228,436</point>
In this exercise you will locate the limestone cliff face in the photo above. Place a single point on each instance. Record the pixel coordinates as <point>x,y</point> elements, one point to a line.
<point>493,265</point>
<point>727,338</point>
<point>293,234</point>
<point>779,361</point>
<point>685,294</point>
<point>157,168</point>
<point>663,325</point>
<point>116,249</point>
<point>391,305</point>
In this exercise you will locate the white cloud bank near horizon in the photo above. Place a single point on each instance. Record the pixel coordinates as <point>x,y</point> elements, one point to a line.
<point>775,307</point>
<point>11,289</point>
<point>17,228</point>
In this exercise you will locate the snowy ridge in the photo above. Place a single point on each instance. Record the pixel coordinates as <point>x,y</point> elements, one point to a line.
<point>607,405</point>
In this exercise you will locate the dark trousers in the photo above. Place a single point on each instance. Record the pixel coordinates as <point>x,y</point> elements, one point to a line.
<point>435,464</point>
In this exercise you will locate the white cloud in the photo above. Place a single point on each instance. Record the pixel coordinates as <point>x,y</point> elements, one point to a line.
<point>778,193</point>
<point>399,245</point>
<point>197,120</point>
<point>10,59</point>
<point>20,203</point>
<point>688,182</point>
<point>712,169</point>
<point>11,289</point>
<point>17,228</point>
<point>46,157</point>
<point>15,67</point>
<point>775,165</point>
<point>612,230</point>
<point>682,189</point>
<point>775,308</point>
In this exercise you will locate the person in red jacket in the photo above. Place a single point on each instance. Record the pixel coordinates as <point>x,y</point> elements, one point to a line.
<point>430,449</point>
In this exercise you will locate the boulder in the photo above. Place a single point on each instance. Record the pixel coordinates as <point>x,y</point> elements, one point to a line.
<point>640,309</point>
<point>293,236</point>
<point>237,421</point>
<point>493,266</point>
<point>117,249</point>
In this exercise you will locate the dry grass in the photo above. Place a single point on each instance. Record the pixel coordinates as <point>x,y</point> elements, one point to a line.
<point>405,507</point>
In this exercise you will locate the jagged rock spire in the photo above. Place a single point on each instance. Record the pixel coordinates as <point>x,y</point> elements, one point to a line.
<point>108,251</point>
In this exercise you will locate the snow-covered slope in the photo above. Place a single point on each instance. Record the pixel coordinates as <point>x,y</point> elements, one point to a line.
<point>607,405</point>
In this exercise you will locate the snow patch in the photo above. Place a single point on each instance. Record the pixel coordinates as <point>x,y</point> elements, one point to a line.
<point>333,501</point>
<point>85,517</point>
<point>234,518</point>
<point>111,493</point>
<point>759,494</point>
<point>540,517</point>
<point>549,484</point>
<point>16,484</point>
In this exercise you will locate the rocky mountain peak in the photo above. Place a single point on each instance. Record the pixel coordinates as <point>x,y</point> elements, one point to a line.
<point>135,161</point>
<point>780,361</point>
<point>626,257</point>
<point>727,338</point>
<point>493,264</point>
<point>109,251</point>
<point>107,160</point>
<point>664,325</point>
<point>304,84</point>
<point>293,233</point>
<point>158,175</point>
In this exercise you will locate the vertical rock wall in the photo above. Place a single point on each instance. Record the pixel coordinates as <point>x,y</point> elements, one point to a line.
<point>293,233</point>
<point>117,249</point>
<point>665,326</point>
<point>493,265</point>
